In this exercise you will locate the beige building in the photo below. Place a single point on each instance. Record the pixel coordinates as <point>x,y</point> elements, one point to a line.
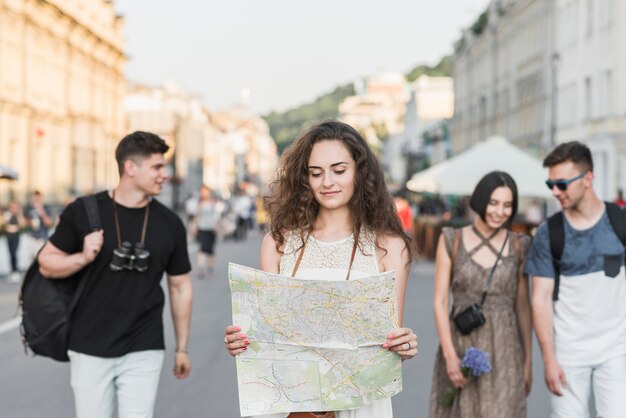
<point>377,109</point>
<point>178,117</point>
<point>242,151</point>
<point>218,149</point>
<point>61,87</point>
<point>431,103</point>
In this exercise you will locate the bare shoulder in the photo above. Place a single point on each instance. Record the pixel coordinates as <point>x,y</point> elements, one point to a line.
<point>394,251</point>
<point>391,243</point>
<point>270,255</point>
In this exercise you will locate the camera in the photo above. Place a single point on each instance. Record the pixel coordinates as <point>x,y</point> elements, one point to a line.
<point>130,257</point>
<point>470,319</point>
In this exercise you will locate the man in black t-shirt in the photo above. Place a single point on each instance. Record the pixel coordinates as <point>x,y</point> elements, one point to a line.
<point>116,343</point>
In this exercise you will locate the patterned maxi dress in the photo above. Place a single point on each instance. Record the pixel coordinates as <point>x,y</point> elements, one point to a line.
<point>500,393</point>
<point>330,261</point>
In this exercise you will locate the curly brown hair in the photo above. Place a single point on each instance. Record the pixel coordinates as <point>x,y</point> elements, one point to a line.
<point>291,203</point>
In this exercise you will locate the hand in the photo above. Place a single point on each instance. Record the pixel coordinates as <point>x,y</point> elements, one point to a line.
<point>555,377</point>
<point>403,341</point>
<point>528,378</point>
<point>182,365</point>
<point>235,343</point>
<point>92,244</point>
<point>455,375</point>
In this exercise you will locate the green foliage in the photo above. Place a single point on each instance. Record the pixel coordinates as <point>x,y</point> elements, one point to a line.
<point>481,23</point>
<point>286,126</point>
<point>442,69</point>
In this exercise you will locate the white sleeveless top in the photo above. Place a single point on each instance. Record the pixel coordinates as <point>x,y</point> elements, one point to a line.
<point>330,261</point>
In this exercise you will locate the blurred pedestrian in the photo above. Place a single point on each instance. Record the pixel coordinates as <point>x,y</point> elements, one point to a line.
<point>579,299</point>
<point>482,266</point>
<point>405,213</point>
<point>323,226</point>
<point>116,343</point>
<point>39,221</point>
<point>242,206</point>
<point>13,224</point>
<point>191,209</point>
<point>206,221</point>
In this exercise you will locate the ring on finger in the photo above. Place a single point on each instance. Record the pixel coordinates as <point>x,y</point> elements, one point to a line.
<point>225,340</point>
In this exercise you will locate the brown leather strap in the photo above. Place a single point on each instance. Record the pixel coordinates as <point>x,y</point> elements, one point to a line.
<point>311,415</point>
<point>518,255</point>
<point>455,249</point>
<point>299,260</point>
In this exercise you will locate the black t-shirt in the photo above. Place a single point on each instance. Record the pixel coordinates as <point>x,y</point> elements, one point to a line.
<point>121,311</point>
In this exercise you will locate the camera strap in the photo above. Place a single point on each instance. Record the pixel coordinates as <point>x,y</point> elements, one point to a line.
<point>117,222</point>
<point>493,269</point>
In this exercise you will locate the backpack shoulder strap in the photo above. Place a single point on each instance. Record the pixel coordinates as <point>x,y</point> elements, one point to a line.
<point>618,222</point>
<point>93,217</point>
<point>556,229</point>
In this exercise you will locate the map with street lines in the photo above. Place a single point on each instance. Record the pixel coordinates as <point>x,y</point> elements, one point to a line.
<point>315,345</point>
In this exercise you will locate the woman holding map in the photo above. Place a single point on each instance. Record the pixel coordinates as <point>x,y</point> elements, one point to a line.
<point>481,265</point>
<point>332,218</point>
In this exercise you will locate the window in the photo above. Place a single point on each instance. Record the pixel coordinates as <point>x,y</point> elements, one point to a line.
<point>608,93</point>
<point>588,96</point>
<point>589,17</point>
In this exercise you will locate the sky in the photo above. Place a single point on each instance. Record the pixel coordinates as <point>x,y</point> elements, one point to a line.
<point>285,52</point>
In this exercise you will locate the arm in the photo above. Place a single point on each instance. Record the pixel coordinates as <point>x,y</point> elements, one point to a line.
<point>443,279</point>
<point>180,293</point>
<point>525,323</point>
<point>57,264</point>
<point>543,320</point>
<point>270,259</point>
<point>395,257</point>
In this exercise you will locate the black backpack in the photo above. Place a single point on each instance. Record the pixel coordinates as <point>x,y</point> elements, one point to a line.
<point>556,230</point>
<point>47,304</point>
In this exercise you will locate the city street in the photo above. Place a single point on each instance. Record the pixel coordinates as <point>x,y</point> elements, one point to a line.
<point>38,387</point>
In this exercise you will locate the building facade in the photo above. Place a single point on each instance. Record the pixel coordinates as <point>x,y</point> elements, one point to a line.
<point>543,72</point>
<point>61,89</point>
<point>178,117</point>
<point>591,85</point>
<point>502,76</point>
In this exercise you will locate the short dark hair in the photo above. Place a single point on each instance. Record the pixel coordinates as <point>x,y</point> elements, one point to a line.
<point>573,151</point>
<point>139,144</point>
<point>485,187</point>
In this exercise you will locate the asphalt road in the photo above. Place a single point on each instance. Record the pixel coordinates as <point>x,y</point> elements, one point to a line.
<point>39,387</point>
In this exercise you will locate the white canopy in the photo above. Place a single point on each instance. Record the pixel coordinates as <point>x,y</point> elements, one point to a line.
<point>460,174</point>
<point>7,173</point>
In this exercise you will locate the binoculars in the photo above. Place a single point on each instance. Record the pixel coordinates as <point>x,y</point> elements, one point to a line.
<point>130,257</point>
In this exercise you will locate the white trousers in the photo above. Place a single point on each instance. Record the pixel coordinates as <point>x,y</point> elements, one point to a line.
<point>129,381</point>
<point>606,382</point>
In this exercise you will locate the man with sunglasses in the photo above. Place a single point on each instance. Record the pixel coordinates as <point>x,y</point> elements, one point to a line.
<point>580,318</point>
<point>116,344</point>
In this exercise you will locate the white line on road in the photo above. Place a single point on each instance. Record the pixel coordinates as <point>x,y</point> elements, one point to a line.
<point>10,324</point>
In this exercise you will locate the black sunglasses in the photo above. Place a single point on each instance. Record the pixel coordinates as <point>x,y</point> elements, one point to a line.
<point>562,184</point>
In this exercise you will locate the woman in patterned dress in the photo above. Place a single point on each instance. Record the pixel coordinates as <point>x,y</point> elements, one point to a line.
<point>464,260</point>
<point>329,192</point>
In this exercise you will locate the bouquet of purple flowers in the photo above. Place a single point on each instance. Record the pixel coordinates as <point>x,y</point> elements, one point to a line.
<point>475,363</point>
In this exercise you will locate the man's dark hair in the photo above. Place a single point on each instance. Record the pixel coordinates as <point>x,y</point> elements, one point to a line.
<point>573,151</point>
<point>139,144</point>
<point>485,187</point>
